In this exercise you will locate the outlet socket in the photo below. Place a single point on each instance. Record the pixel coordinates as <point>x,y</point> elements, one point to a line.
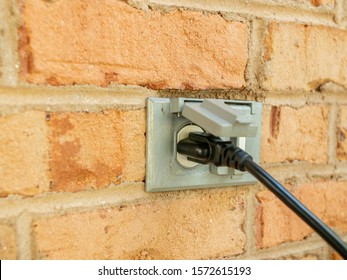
<point>165,171</point>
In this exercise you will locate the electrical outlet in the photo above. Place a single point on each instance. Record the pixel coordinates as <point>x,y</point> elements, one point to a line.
<point>171,120</point>
<point>182,134</point>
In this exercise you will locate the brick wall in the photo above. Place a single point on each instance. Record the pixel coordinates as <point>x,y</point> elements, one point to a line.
<point>74,78</point>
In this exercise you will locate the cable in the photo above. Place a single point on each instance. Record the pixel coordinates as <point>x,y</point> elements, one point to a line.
<point>298,208</point>
<point>206,148</point>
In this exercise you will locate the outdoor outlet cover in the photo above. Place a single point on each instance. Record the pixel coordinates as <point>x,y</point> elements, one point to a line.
<point>171,120</point>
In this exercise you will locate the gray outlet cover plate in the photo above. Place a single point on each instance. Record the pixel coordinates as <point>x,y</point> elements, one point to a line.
<point>163,172</point>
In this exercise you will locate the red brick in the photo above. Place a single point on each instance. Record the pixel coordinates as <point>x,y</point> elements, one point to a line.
<point>312,55</point>
<point>86,150</point>
<point>317,3</point>
<point>290,134</point>
<point>7,243</point>
<point>277,224</point>
<point>94,150</point>
<point>23,154</point>
<point>342,134</point>
<point>188,225</point>
<point>86,42</point>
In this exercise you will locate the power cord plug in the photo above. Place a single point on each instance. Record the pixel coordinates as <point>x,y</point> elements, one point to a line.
<point>206,148</point>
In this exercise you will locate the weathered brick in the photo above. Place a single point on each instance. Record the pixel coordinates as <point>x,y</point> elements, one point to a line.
<point>290,134</point>
<point>318,3</point>
<point>85,42</point>
<point>277,224</point>
<point>7,243</point>
<point>188,225</point>
<point>86,150</point>
<point>306,52</point>
<point>23,154</point>
<point>342,134</point>
<point>94,150</point>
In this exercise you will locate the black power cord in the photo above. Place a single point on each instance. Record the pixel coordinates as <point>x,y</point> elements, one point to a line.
<point>206,148</point>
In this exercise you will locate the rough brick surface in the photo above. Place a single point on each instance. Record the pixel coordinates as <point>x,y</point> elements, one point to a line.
<point>290,134</point>
<point>134,144</point>
<point>94,150</point>
<point>342,134</point>
<point>318,3</point>
<point>189,225</point>
<point>86,42</point>
<point>277,224</point>
<point>7,243</point>
<point>306,52</point>
<point>23,154</point>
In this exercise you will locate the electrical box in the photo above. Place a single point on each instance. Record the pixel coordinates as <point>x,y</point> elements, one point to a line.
<point>171,120</point>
